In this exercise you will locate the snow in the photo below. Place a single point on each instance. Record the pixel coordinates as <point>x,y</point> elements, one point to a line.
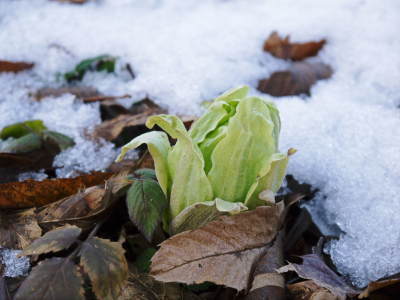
<point>14,266</point>
<point>185,52</point>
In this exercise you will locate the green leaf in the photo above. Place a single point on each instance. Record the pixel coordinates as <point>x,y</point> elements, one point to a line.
<point>105,263</point>
<point>52,279</point>
<point>143,261</point>
<point>146,173</point>
<point>247,146</point>
<point>158,145</point>
<point>199,214</point>
<point>60,139</point>
<point>186,166</point>
<point>146,205</point>
<point>54,241</point>
<point>26,143</point>
<point>234,94</point>
<point>98,63</point>
<point>18,130</point>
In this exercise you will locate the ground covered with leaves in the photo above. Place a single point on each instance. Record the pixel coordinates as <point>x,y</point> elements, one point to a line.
<point>76,224</point>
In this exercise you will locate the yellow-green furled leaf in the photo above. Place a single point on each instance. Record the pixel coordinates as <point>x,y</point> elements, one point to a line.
<point>208,145</point>
<point>159,147</point>
<point>247,147</point>
<point>269,178</point>
<point>52,279</point>
<point>186,165</point>
<point>233,94</point>
<point>53,241</point>
<point>105,263</point>
<point>199,214</point>
<point>18,130</point>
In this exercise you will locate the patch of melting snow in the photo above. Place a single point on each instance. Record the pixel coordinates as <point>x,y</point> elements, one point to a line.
<point>185,52</point>
<point>14,266</point>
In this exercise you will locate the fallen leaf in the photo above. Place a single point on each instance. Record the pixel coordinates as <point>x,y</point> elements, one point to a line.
<point>18,229</point>
<point>105,263</point>
<point>20,129</point>
<point>308,290</point>
<point>4,293</point>
<point>222,251</point>
<point>283,48</point>
<point>15,67</point>
<point>53,241</point>
<point>267,283</point>
<point>146,204</point>
<point>52,279</point>
<point>295,81</point>
<point>144,287</point>
<point>314,268</point>
<point>378,285</point>
<point>32,193</point>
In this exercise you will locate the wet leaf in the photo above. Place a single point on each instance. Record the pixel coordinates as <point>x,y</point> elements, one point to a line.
<point>54,241</point>
<point>308,290</point>
<point>15,67</point>
<point>23,128</point>
<point>105,263</point>
<point>18,229</point>
<point>143,260</point>
<point>32,193</point>
<point>267,283</point>
<point>146,204</point>
<point>52,279</point>
<point>144,287</point>
<point>314,268</point>
<point>4,293</point>
<point>298,79</point>
<point>283,48</point>
<point>222,251</point>
<point>98,63</point>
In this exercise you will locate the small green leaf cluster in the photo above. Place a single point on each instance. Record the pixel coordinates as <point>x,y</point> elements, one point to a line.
<point>99,63</point>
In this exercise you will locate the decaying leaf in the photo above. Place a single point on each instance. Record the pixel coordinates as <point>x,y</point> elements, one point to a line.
<point>146,204</point>
<point>283,48</point>
<point>18,229</point>
<point>378,285</point>
<point>309,290</point>
<point>314,268</point>
<point>85,93</point>
<point>52,279</point>
<point>144,287</point>
<point>267,283</point>
<point>54,241</point>
<point>31,193</point>
<point>222,252</point>
<point>295,81</point>
<point>15,67</point>
<point>105,263</point>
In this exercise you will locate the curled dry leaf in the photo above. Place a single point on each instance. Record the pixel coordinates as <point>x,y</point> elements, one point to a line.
<point>18,229</point>
<point>378,285</point>
<point>223,251</point>
<point>295,81</point>
<point>32,193</point>
<point>308,290</point>
<point>52,279</point>
<point>283,48</point>
<point>53,241</point>
<point>105,263</point>
<point>144,287</point>
<point>314,268</point>
<point>15,67</point>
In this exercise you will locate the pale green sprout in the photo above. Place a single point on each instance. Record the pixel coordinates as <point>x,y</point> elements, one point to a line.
<point>222,164</point>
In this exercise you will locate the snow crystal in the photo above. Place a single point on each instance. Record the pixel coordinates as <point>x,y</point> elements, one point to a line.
<point>185,52</point>
<point>14,266</point>
<point>39,176</point>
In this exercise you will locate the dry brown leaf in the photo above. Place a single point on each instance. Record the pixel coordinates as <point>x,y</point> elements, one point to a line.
<point>308,290</point>
<point>53,241</point>
<point>378,285</point>
<point>52,279</point>
<point>105,263</point>
<point>267,283</point>
<point>15,67</point>
<point>283,48</point>
<point>314,268</point>
<point>295,81</point>
<point>222,251</point>
<point>18,229</point>
<point>144,287</point>
<point>32,193</point>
